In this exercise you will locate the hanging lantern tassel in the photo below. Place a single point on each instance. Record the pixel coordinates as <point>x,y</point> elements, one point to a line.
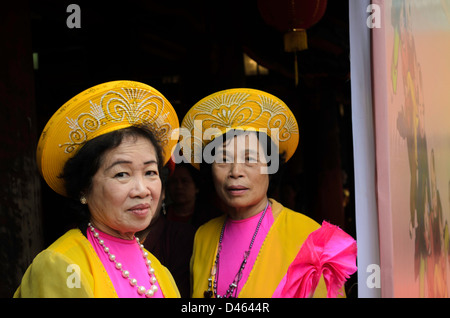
<point>294,41</point>
<point>296,68</point>
<point>292,17</point>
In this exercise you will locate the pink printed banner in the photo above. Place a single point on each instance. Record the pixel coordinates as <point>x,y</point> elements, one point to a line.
<point>411,100</point>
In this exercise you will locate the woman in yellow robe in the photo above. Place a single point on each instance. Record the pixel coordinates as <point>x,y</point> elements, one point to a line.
<point>105,149</point>
<point>258,248</point>
<point>281,245</point>
<point>71,268</point>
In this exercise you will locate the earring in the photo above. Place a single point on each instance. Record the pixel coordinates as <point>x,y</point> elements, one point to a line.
<point>163,206</point>
<point>83,200</point>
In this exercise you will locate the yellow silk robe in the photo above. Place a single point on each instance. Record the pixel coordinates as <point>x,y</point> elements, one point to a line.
<point>51,273</point>
<point>282,243</point>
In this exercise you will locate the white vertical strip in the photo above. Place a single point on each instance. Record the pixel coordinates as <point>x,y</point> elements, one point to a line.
<point>364,150</point>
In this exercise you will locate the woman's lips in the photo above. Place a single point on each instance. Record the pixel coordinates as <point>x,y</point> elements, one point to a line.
<point>236,190</point>
<point>140,209</point>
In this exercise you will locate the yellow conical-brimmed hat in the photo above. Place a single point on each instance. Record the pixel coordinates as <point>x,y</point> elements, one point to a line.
<point>243,109</point>
<point>99,110</point>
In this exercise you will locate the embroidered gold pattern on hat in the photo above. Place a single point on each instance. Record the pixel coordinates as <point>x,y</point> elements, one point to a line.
<point>128,105</point>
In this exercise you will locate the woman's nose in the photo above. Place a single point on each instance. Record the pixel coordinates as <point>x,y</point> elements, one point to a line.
<point>140,188</point>
<point>235,170</point>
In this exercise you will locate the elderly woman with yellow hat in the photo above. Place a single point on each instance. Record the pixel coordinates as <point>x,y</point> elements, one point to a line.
<point>105,149</point>
<point>258,248</point>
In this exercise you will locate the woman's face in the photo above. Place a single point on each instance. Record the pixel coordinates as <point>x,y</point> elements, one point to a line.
<point>126,189</point>
<point>181,186</point>
<point>239,182</point>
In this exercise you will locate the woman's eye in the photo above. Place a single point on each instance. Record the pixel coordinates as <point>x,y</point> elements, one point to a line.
<point>251,160</point>
<point>120,175</point>
<point>151,173</point>
<point>229,158</point>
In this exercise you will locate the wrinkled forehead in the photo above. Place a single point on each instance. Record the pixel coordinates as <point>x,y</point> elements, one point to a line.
<point>244,142</point>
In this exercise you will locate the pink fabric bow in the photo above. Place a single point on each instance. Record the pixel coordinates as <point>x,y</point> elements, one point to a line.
<point>328,251</point>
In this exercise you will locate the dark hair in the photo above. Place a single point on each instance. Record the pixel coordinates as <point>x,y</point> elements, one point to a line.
<point>80,169</point>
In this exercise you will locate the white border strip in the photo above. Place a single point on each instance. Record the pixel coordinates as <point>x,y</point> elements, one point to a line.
<point>364,149</point>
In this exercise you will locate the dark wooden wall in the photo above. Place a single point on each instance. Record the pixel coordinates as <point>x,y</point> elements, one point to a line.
<point>20,204</point>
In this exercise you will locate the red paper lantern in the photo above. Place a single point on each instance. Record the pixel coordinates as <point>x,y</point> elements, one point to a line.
<point>292,17</point>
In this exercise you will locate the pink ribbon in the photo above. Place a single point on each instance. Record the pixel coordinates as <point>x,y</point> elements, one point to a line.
<point>328,251</point>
